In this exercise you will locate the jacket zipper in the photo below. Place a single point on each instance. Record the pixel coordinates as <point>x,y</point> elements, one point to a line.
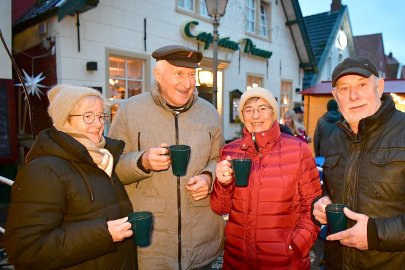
<point>176,125</point>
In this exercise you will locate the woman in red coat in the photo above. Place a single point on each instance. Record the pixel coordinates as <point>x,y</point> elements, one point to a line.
<point>270,225</point>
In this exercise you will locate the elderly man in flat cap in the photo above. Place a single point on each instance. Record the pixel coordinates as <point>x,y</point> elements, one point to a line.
<point>186,233</point>
<point>365,170</point>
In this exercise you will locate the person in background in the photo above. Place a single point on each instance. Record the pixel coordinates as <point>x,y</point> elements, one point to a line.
<point>298,130</point>
<point>325,126</point>
<point>365,170</point>
<point>187,234</point>
<point>300,114</point>
<point>68,208</point>
<point>270,225</point>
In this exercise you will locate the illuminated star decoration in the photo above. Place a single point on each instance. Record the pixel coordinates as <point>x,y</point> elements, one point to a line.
<point>33,84</point>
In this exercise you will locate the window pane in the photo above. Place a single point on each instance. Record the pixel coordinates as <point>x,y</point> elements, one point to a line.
<point>117,66</point>
<point>135,69</point>
<point>186,4</point>
<point>203,8</point>
<point>263,20</point>
<point>134,88</point>
<point>117,88</point>
<point>285,96</point>
<point>250,15</point>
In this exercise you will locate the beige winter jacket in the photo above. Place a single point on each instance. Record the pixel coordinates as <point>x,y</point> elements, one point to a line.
<point>143,122</point>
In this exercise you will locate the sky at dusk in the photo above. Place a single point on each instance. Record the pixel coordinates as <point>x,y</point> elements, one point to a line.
<point>370,17</point>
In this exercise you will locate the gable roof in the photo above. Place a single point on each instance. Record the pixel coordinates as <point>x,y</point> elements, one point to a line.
<point>396,86</point>
<point>392,65</point>
<point>372,47</point>
<point>295,23</point>
<point>322,28</point>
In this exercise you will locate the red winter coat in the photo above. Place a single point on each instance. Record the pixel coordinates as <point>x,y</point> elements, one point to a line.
<point>270,225</point>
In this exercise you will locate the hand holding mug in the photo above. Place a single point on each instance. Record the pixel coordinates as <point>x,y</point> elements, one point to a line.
<point>224,171</point>
<point>319,209</point>
<point>156,159</point>
<point>119,229</point>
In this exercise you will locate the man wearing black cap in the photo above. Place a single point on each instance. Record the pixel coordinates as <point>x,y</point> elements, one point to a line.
<point>186,233</point>
<point>365,170</point>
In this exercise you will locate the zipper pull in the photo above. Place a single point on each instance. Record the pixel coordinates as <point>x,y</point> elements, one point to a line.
<point>254,141</point>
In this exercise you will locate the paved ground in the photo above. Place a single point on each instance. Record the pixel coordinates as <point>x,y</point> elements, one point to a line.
<point>315,255</point>
<point>216,265</point>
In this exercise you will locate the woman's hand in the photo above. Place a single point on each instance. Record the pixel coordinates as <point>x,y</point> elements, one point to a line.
<point>119,229</point>
<point>224,171</point>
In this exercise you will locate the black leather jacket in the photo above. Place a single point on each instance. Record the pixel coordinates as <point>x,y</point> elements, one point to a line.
<point>366,172</point>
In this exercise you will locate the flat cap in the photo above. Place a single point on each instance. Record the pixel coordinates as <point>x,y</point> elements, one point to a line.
<point>354,65</point>
<point>178,56</point>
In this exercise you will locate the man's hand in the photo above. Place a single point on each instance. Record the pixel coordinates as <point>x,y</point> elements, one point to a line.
<point>319,209</point>
<point>156,159</point>
<point>356,236</point>
<point>119,229</point>
<point>199,186</point>
<point>224,171</point>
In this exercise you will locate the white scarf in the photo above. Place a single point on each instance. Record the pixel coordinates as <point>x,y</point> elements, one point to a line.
<point>101,156</point>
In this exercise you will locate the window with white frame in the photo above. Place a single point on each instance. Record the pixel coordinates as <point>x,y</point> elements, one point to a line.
<point>186,4</point>
<point>253,81</point>
<point>258,17</point>
<point>126,76</point>
<point>285,97</point>
<point>196,6</point>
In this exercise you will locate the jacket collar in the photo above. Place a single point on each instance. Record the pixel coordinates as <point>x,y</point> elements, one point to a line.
<point>260,140</point>
<point>372,123</point>
<point>52,142</point>
<point>160,101</point>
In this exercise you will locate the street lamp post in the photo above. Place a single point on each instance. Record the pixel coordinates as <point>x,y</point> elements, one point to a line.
<point>216,9</point>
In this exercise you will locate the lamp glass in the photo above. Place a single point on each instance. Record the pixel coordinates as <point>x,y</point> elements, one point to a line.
<point>216,8</point>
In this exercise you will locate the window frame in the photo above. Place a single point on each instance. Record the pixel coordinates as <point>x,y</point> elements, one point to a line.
<point>199,8</point>
<point>284,92</point>
<point>261,21</point>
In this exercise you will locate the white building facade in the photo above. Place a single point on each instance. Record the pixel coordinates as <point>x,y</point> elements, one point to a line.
<point>112,46</point>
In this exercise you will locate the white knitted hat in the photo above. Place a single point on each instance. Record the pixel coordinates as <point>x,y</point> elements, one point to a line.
<point>260,93</point>
<point>62,99</point>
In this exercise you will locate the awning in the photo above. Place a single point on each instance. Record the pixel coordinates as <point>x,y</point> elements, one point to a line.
<point>71,7</point>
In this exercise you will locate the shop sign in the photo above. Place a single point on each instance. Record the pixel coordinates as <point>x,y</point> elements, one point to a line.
<point>206,38</point>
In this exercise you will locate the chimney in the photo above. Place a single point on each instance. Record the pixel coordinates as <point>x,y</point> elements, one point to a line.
<point>336,5</point>
<point>390,55</point>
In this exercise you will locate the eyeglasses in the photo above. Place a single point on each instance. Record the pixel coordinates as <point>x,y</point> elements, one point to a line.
<point>89,117</point>
<point>249,111</point>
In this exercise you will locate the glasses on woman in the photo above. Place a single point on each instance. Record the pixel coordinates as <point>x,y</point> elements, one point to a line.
<point>262,109</point>
<point>89,117</point>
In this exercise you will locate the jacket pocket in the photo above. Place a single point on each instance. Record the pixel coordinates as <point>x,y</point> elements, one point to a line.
<point>146,203</point>
<point>199,203</point>
<point>386,197</point>
<point>331,161</point>
<point>386,156</point>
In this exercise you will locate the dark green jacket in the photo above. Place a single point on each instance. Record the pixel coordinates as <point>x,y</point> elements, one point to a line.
<point>60,204</point>
<point>367,173</point>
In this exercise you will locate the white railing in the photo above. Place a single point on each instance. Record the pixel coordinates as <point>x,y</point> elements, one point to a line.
<point>9,182</point>
<point>6,181</point>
